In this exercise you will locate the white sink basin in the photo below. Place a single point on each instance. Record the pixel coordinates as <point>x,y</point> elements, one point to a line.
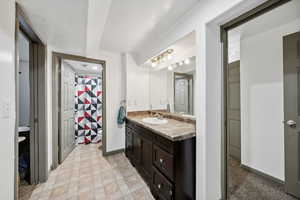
<point>154,121</point>
<point>23,129</point>
<point>189,116</point>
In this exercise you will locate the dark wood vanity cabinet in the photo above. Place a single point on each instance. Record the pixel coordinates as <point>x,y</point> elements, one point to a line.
<point>168,167</point>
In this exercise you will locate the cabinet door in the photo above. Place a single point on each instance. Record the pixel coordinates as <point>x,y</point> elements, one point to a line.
<point>129,143</point>
<point>146,159</point>
<point>137,145</point>
<point>161,187</point>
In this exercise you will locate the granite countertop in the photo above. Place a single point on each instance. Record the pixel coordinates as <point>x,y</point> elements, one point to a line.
<point>174,130</point>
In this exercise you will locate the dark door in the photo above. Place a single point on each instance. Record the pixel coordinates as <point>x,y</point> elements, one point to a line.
<point>291,61</point>
<point>233,110</point>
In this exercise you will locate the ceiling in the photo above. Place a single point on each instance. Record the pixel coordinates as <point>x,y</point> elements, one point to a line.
<point>84,27</point>
<point>130,23</point>
<point>277,17</point>
<point>61,24</point>
<point>84,68</point>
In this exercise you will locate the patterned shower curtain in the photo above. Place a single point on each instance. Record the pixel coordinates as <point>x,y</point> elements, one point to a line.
<point>88,109</point>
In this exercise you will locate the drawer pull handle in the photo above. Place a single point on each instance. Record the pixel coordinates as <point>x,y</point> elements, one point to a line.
<point>159,186</point>
<point>170,193</point>
<point>161,160</point>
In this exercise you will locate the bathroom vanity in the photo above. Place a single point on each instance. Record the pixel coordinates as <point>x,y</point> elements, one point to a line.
<point>164,155</point>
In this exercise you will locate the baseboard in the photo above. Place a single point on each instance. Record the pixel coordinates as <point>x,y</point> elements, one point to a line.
<point>113,152</point>
<point>266,176</point>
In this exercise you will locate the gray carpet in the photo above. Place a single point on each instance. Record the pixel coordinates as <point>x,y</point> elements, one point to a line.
<point>244,185</point>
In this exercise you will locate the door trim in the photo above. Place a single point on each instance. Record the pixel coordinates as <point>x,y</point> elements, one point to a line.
<point>247,16</point>
<point>56,61</point>
<point>38,135</point>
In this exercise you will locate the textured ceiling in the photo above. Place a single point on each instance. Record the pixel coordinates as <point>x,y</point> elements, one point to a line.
<point>130,23</point>
<point>61,24</point>
<point>84,67</point>
<point>86,26</point>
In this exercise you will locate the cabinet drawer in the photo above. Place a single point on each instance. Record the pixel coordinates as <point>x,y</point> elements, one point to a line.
<point>163,161</point>
<point>161,186</point>
<point>164,143</point>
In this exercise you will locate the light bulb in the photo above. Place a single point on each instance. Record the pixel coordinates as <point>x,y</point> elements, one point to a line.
<point>180,63</point>
<point>187,61</point>
<point>153,64</point>
<point>170,57</point>
<point>170,68</point>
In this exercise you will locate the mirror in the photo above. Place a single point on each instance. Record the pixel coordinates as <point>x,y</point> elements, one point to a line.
<point>172,78</point>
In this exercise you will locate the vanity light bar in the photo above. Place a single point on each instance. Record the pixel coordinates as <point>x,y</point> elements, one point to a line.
<point>166,55</point>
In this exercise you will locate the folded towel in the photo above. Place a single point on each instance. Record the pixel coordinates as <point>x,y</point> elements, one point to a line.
<point>121,115</point>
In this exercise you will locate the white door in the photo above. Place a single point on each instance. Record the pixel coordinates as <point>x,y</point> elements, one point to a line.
<point>182,95</point>
<point>67,102</point>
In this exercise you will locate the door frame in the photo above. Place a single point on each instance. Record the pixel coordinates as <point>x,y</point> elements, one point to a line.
<point>247,16</point>
<point>38,101</point>
<point>56,69</point>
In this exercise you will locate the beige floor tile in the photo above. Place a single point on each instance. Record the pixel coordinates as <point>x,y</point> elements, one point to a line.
<point>87,175</point>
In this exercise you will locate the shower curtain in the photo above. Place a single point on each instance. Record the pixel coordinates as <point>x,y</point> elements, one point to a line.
<point>88,109</point>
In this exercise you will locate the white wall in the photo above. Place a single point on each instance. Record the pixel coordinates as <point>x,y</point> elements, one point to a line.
<point>137,86</point>
<point>115,93</point>
<point>262,112</point>
<point>7,98</point>
<point>158,89</point>
<point>146,88</point>
<point>170,89</point>
<point>24,94</point>
<point>234,41</point>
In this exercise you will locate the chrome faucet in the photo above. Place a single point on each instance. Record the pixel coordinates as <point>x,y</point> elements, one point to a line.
<point>158,116</point>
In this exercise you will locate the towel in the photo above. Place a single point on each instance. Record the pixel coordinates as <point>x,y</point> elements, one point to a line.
<point>121,115</point>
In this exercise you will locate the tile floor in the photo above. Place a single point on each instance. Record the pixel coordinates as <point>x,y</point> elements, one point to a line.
<point>87,175</point>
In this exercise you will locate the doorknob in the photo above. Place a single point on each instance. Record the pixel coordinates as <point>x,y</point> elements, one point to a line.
<point>291,123</point>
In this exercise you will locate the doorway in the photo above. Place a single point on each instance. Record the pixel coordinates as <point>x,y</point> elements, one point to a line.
<point>79,107</point>
<point>31,163</point>
<point>183,93</point>
<point>261,141</point>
